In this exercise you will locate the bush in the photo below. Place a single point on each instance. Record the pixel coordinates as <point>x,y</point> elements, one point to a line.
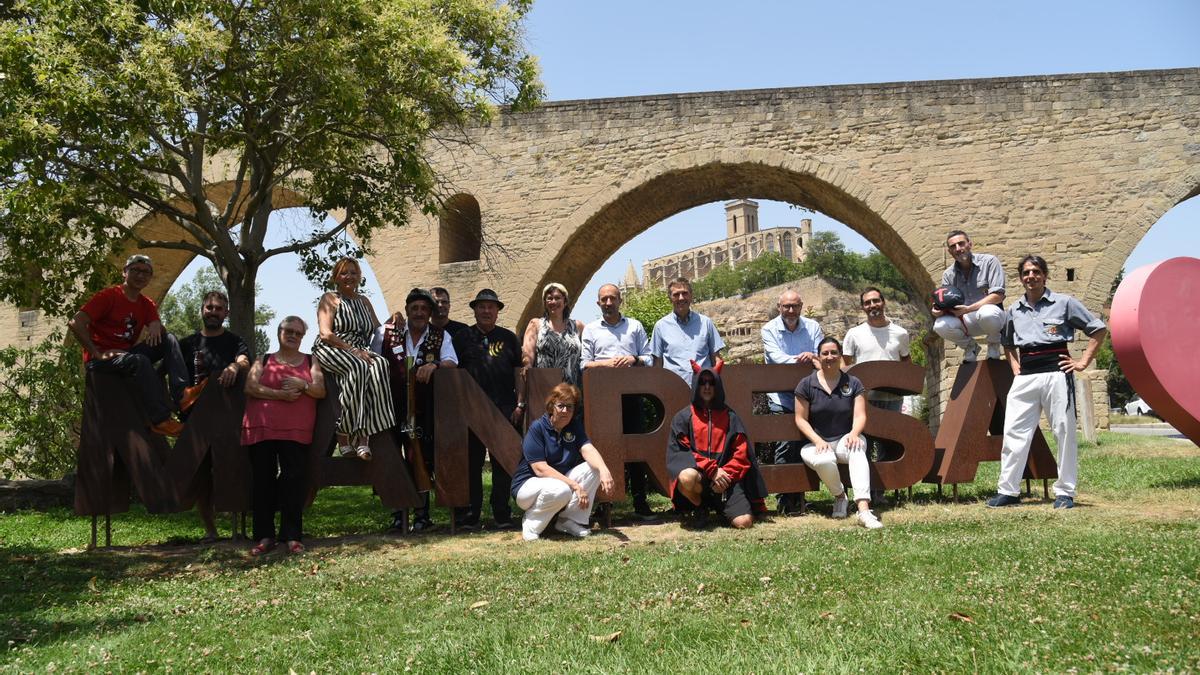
<point>41,407</point>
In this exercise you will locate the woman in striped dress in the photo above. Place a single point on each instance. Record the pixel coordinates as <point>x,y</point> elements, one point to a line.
<point>554,341</point>
<point>347,321</point>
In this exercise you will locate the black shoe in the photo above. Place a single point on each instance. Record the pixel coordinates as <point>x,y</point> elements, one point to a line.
<point>1000,501</point>
<point>1064,502</point>
<point>506,524</point>
<point>643,512</point>
<point>696,520</point>
<point>422,525</point>
<point>467,521</point>
<point>397,523</point>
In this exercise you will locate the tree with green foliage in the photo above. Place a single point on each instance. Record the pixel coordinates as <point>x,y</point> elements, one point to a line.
<point>721,282</point>
<point>769,269</point>
<point>41,404</point>
<point>180,310</point>
<point>828,258</point>
<point>113,112</point>
<point>647,306</point>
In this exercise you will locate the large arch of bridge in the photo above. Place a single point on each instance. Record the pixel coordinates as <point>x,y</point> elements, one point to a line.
<point>613,216</point>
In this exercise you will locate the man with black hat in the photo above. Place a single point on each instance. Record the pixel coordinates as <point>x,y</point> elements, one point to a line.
<point>108,328</point>
<point>414,350</point>
<point>981,280</point>
<point>492,355</point>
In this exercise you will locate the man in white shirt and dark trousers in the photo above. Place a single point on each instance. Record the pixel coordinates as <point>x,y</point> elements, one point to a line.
<point>616,341</point>
<point>877,339</point>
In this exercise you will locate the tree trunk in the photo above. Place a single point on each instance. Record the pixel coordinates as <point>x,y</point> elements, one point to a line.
<point>241,305</point>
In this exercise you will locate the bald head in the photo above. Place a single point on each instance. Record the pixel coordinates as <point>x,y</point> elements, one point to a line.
<point>790,307</point>
<point>609,300</point>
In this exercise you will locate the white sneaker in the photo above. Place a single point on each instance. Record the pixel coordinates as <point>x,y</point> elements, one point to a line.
<point>840,506</point>
<point>994,351</point>
<point>971,354</point>
<point>528,533</point>
<point>571,527</point>
<point>869,520</point>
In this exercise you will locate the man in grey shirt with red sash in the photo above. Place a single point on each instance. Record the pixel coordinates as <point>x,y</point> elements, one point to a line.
<point>1038,328</point>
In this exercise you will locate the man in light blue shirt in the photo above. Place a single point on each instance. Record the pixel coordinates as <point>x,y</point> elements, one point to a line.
<point>684,336</point>
<point>789,338</point>
<point>616,341</point>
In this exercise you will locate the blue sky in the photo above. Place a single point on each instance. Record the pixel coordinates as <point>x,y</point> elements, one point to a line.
<point>625,48</point>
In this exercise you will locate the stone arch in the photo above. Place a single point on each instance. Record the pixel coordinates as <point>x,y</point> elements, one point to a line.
<point>1113,259</point>
<point>460,229</point>
<point>614,215</point>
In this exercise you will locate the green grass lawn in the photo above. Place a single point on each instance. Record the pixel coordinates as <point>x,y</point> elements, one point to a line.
<point>1111,585</point>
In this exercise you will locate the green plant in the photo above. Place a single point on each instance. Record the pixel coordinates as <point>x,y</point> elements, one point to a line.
<point>41,404</point>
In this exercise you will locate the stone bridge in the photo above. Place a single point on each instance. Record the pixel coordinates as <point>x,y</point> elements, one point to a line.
<point>1074,167</point>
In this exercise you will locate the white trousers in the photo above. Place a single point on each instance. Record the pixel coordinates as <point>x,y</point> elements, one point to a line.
<point>543,497</point>
<point>1029,396</point>
<point>987,320</point>
<point>825,464</point>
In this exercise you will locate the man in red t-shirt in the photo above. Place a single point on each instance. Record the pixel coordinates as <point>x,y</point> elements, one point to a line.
<point>109,326</point>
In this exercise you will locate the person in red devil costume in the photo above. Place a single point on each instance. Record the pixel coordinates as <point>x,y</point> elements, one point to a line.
<point>710,458</point>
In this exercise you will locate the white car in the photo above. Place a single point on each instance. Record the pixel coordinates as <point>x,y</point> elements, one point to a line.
<point>1138,407</point>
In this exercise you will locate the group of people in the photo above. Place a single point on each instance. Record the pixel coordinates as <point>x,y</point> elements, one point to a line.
<point>384,371</point>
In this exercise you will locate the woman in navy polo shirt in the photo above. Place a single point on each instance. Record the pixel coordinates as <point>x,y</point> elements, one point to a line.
<point>831,411</point>
<point>560,470</point>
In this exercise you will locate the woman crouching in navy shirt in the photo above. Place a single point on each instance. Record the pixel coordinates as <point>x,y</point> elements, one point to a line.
<point>831,411</point>
<point>560,470</point>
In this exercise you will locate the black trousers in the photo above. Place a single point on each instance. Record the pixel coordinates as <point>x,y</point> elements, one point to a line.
<point>279,469</point>
<point>137,365</point>
<point>501,482</point>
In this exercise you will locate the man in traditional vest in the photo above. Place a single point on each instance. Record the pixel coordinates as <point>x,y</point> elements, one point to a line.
<point>414,350</point>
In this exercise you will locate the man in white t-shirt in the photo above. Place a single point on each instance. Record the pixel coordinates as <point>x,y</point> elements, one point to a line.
<point>878,339</point>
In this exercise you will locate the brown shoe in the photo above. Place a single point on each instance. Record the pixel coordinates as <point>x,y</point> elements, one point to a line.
<point>167,427</point>
<point>191,395</point>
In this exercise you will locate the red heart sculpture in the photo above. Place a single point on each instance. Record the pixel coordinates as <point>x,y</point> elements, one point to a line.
<point>1155,325</point>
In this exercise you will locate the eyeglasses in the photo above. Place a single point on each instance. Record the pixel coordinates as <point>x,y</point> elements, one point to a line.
<point>289,331</point>
<point>1031,272</point>
<point>789,307</point>
<point>564,407</point>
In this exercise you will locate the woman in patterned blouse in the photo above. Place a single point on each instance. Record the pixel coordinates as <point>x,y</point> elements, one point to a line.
<point>554,340</point>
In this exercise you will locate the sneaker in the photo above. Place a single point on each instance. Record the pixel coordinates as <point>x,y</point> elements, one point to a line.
<point>971,354</point>
<point>642,511</point>
<point>167,427</point>
<point>421,525</point>
<point>869,520</point>
<point>1003,500</point>
<point>840,506</point>
<point>528,533</point>
<point>567,526</point>
<point>994,351</point>
<point>1064,502</point>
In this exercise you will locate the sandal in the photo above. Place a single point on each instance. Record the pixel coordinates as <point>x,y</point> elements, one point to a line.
<point>347,451</point>
<point>295,547</point>
<point>263,547</point>
<point>364,453</point>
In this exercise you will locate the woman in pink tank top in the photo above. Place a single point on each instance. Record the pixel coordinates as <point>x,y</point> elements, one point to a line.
<point>281,408</point>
